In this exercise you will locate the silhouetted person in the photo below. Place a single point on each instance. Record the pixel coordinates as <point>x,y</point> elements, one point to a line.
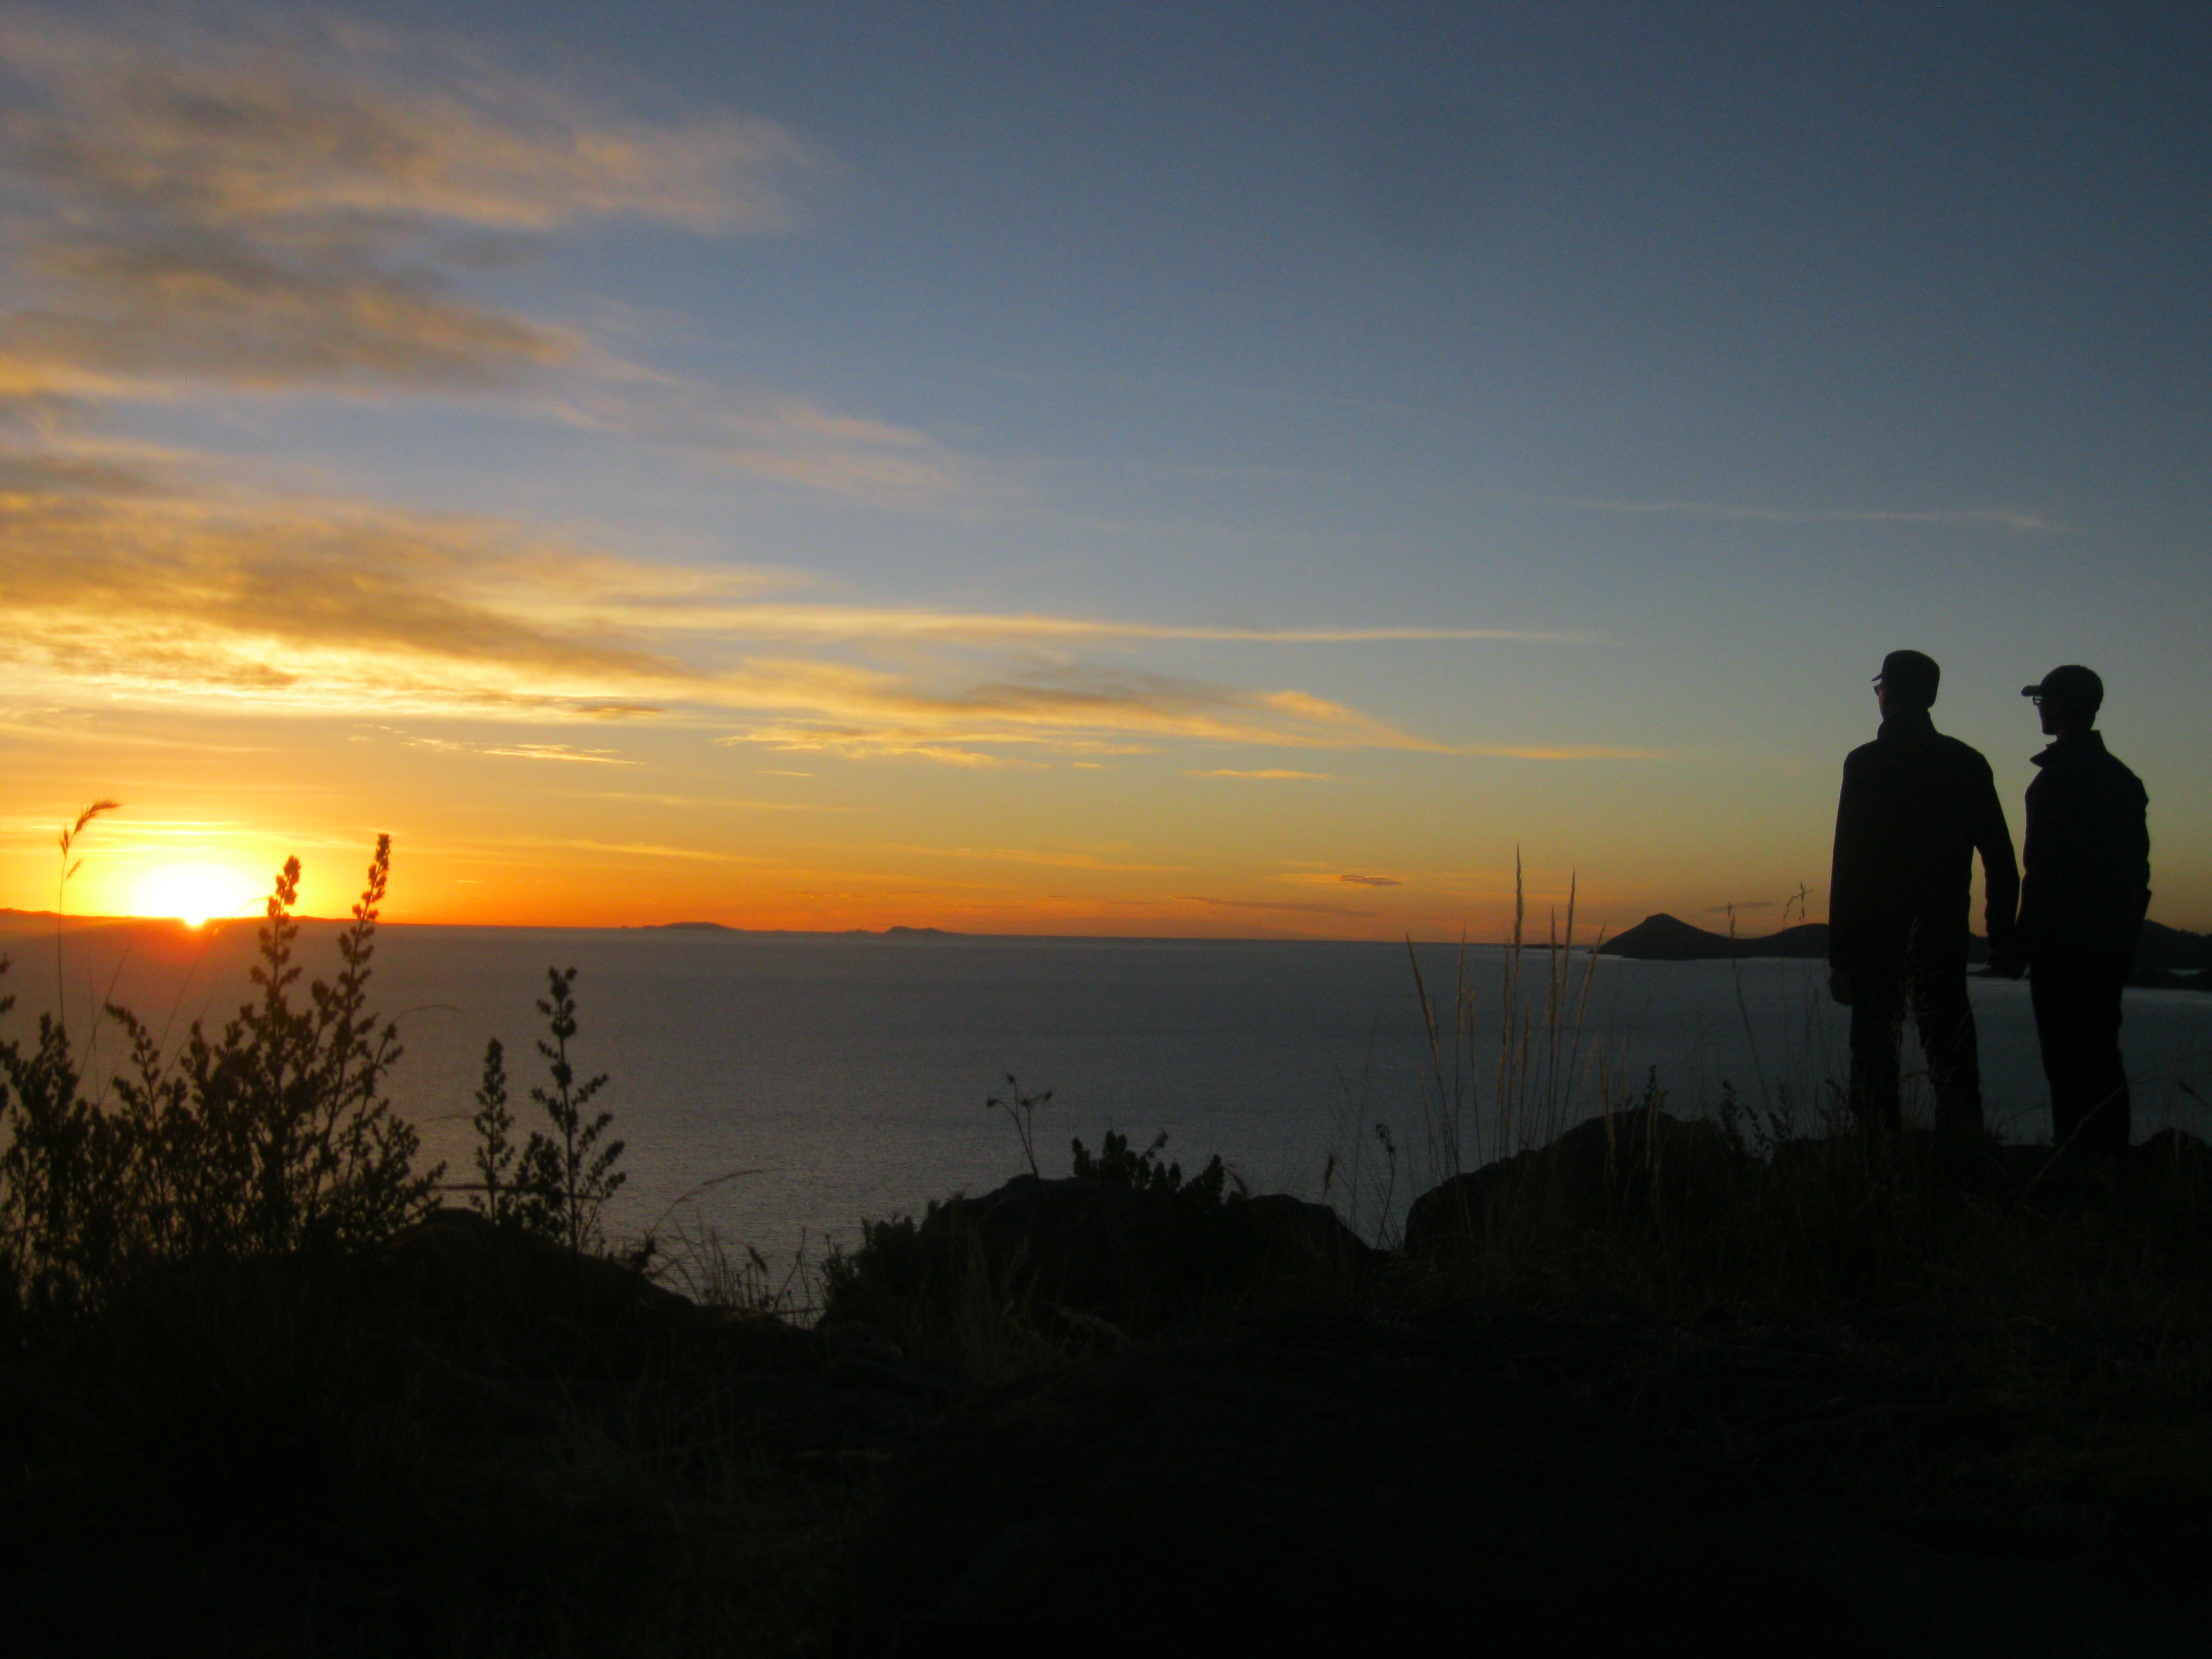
<point>2087,854</point>
<point>1916,808</point>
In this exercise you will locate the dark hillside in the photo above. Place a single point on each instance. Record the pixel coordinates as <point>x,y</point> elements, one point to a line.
<point>1668,939</point>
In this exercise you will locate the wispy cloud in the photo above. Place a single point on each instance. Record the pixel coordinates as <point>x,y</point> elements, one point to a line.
<point>778,437</point>
<point>305,604</point>
<point>1274,904</point>
<point>2018,521</point>
<point>531,752</point>
<point>1564,751</point>
<point>640,849</point>
<point>299,204</point>
<point>1074,707</point>
<point>699,614</point>
<point>275,205</point>
<point>1322,877</point>
<point>718,803</point>
<point>1263,775</point>
<point>282,207</point>
<point>1047,857</point>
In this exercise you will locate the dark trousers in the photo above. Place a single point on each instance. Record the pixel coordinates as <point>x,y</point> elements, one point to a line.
<point>1934,989</point>
<point>2076,996</point>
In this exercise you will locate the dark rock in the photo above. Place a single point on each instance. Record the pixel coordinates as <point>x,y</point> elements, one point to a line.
<point>2176,1150</point>
<point>1294,1233</point>
<point>1600,1169</point>
<point>1544,1482</point>
<point>1135,1257</point>
<point>456,1258</point>
<point>2163,949</point>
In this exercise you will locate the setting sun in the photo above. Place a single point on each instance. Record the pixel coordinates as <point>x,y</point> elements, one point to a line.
<point>192,892</point>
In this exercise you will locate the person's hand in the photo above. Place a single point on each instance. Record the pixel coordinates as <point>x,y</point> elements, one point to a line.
<point>1839,985</point>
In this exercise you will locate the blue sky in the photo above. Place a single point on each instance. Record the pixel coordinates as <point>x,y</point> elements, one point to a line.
<point>979,409</point>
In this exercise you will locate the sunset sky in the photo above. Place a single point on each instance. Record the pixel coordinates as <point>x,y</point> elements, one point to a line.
<point>1184,469</point>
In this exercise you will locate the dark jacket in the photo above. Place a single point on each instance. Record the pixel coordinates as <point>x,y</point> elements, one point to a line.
<point>1916,808</point>
<point>2087,852</point>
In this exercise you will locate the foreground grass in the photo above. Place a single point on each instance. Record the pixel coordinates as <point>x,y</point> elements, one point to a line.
<point>465,1443</point>
<point>2044,1328</point>
<point>377,1455</point>
<point>256,1397</point>
<point>2028,1343</point>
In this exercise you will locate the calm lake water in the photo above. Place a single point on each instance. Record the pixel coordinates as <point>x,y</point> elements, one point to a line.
<point>848,1073</point>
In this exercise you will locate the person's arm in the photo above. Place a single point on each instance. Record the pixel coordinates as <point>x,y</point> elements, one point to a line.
<point>2137,822</point>
<point>2000,875</point>
<point>1847,879</point>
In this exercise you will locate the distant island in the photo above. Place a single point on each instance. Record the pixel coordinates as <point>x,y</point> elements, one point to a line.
<point>2167,958</point>
<point>1663,937</point>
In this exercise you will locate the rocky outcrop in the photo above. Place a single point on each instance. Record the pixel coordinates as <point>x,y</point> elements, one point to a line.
<point>1595,1172</point>
<point>457,1259</point>
<point>1133,1256</point>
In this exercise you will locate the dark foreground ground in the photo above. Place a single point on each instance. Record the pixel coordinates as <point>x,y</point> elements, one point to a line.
<point>1572,1483</point>
<point>652,1479</point>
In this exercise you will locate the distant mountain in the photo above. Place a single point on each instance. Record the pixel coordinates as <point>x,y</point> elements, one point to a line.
<point>2171,959</point>
<point>1668,939</point>
<point>693,927</point>
<point>916,932</point>
<point>2166,950</point>
<point>2168,958</point>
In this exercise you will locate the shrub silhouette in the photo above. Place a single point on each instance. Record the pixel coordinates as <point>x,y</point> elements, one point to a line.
<point>274,1135</point>
<point>1116,1164</point>
<point>555,1185</point>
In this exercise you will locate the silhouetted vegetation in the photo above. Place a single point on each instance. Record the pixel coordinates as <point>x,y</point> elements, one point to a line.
<point>273,1135</point>
<point>332,1416</point>
<point>262,1395</point>
<point>555,1185</point>
<point>1040,1273</point>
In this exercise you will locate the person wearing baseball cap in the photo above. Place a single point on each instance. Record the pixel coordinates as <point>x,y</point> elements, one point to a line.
<point>2082,903</point>
<point>1916,807</point>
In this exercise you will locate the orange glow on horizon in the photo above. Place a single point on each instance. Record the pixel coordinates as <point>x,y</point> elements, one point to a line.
<point>192,893</point>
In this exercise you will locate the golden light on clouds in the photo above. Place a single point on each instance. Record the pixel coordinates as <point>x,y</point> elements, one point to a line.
<point>316,605</point>
<point>288,215</point>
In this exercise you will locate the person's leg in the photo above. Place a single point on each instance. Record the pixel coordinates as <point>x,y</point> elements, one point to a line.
<point>2106,1124</point>
<point>1877,1014</point>
<point>1945,1019</point>
<point>2064,996</point>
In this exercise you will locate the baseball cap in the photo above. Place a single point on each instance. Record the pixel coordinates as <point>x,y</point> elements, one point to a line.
<point>2070,685</point>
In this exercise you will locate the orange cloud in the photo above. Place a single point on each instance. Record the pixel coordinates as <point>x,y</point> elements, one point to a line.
<point>158,592</point>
